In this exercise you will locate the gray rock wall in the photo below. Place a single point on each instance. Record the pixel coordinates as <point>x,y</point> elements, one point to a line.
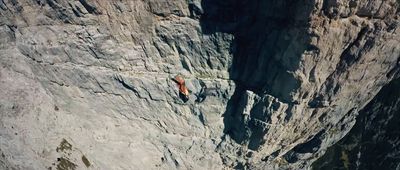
<point>309,68</point>
<point>373,142</point>
<point>88,84</point>
<point>97,74</point>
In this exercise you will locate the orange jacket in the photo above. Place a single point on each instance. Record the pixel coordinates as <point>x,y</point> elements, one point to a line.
<point>182,87</point>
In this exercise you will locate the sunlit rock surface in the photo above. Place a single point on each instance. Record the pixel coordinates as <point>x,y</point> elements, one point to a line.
<point>88,84</point>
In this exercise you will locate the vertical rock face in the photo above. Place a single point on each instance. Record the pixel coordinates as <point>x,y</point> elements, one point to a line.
<point>95,76</point>
<point>302,71</point>
<point>373,142</point>
<point>273,84</point>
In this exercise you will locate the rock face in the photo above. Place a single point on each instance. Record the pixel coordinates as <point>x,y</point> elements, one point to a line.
<point>373,142</point>
<point>88,84</point>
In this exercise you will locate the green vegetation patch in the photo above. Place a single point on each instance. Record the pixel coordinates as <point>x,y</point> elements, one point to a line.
<point>64,145</point>
<point>65,164</point>
<point>345,158</point>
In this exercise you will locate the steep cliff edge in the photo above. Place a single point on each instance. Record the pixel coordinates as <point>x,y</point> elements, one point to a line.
<point>88,83</point>
<point>373,142</point>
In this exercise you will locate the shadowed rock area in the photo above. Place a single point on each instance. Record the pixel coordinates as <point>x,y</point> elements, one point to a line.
<point>373,143</point>
<point>88,84</point>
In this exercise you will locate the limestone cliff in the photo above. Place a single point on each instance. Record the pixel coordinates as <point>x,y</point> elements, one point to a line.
<point>88,83</point>
<point>373,142</point>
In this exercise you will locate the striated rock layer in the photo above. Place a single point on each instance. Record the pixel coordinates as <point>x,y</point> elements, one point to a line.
<point>88,83</point>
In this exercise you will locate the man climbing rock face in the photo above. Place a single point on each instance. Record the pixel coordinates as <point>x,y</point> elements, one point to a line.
<point>183,91</point>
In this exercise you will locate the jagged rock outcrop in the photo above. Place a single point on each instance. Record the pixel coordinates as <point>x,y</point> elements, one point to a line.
<point>373,142</point>
<point>302,72</point>
<point>87,84</point>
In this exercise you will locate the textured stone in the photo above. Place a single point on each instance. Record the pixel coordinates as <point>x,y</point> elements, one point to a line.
<point>282,80</point>
<point>373,142</point>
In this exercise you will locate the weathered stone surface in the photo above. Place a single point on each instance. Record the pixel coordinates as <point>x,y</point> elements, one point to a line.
<point>282,80</point>
<point>374,142</point>
<point>319,69</point>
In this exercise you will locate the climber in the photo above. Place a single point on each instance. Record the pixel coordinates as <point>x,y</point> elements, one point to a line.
<point>201,96</point>
<point>183,90</point>
<point>204,92</point>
